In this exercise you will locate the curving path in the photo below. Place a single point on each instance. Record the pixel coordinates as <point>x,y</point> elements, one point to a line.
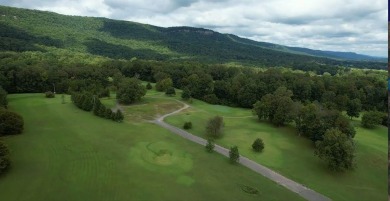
<point>306,193</point>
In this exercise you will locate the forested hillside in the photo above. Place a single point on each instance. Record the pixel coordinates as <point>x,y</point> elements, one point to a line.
<point>29,30</point>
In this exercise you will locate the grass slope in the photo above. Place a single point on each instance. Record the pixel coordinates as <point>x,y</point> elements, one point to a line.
<point>293,156</point>
<point>68,154</point>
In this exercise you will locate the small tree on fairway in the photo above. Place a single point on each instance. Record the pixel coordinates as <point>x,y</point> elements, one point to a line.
<point>214,127</point>
<point>149,86</point>
<point>170,91</point>
<point>187,125</point>
<point>234,155</point>
<point>164,84</point>
<point>337,150</point>
<point>210,146</point>
<point>258,145</point>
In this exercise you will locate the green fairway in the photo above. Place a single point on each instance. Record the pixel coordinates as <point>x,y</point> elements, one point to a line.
<point>69,154</point>
<point>293,156</point>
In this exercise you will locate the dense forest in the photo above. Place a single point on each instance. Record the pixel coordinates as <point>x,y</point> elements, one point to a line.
<point>216,84</point>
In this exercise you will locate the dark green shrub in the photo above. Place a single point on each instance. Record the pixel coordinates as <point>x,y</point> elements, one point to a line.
<point>49,94</point>
<point>187,125</point>
<point>4,157</point>
<point>119,116</point>
<point>10,123</point>
<point>234,155</point>
<point>170,91</point>
<point>210,146</point>
<point>214,127</point>
<point>372,118</point>
<point>258,145</point>
<point>3,98</point>
<point>186,94</point>
<point>149,86</point>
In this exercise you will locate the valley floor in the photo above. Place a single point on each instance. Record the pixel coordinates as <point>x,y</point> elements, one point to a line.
<point>68,154</point>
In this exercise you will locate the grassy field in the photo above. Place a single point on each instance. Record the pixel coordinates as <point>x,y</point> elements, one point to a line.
<point>68,154</point>
<point>293,156</point>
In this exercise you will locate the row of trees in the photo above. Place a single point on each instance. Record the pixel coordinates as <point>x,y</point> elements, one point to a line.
<point>10,123</point>
<point>3,98</point>
<point>5,160</point>
<point>331,131</point>
<point>87,102</point>
<point>215,84</point>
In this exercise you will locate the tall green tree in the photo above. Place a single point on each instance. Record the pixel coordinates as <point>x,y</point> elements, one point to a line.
<point>278,107</point>
<point>337,150</point>
<point>130,90</point>
<point>234,155</point>
<point>164,84</point>
<point>354,107</point>
<point>313,120</point>
<point>371,118</point>
<point>214,127</point>
<point>186,95</point>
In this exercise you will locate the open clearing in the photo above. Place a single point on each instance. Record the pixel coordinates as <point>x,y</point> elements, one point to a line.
<point>68,154</point>
<point>293,156</point>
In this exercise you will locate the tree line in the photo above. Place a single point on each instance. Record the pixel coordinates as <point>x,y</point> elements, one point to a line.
<point>11,123</point>
<point>216,84</point>
<point>88,102</point>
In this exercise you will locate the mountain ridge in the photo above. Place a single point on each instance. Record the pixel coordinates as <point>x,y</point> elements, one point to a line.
<point>125,40</point>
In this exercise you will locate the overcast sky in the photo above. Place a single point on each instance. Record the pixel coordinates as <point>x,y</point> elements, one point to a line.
<point>341,25</point>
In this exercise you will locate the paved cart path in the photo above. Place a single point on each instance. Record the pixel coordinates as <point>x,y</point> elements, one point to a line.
<point>303,191</point>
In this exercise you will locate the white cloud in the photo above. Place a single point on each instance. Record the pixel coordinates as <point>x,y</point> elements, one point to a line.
<point>340,25</point>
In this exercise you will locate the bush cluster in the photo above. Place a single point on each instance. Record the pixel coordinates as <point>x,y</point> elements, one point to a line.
<point>10,122</point>
<point>101,110</point>
<point>88,103</point>
<point>4,157</point>
<point>49,94</point>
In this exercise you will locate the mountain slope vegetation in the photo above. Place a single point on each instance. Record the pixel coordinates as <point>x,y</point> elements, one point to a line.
<point>31,30</point>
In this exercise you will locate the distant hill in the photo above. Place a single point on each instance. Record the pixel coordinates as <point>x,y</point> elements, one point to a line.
<point>307,51</point>
<point>31,30</point>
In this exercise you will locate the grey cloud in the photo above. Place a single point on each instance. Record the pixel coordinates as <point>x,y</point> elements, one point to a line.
<point>147,6</point>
